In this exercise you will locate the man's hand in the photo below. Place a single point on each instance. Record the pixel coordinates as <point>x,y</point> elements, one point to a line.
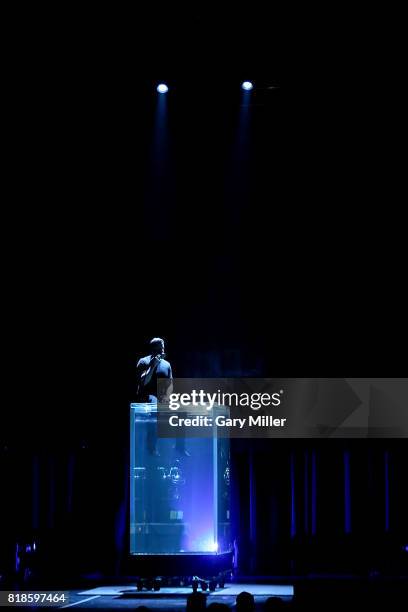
<point>165,396</point>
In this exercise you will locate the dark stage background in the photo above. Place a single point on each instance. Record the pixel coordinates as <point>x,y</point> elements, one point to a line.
<point>233,232</point>
<point>297,508</point>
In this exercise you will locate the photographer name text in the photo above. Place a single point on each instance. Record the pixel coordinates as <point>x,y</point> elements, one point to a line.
<point>222,421</point>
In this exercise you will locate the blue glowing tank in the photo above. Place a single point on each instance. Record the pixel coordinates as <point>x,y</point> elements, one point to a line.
<point>179,490</point>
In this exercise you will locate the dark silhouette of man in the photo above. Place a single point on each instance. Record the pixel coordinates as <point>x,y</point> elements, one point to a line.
<point>149,369</point>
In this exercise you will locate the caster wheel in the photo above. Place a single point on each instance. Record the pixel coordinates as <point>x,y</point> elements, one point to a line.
<point>221,580</point>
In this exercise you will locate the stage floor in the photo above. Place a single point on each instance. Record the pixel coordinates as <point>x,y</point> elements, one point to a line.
<point>170,598</point>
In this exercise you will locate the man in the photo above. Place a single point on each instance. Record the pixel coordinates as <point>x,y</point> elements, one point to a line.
<point>149,369</point>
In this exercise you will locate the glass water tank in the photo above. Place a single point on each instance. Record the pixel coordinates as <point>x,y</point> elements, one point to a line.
<point>179,490</point>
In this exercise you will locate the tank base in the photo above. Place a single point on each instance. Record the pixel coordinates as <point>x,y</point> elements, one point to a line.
<point>188,565</point>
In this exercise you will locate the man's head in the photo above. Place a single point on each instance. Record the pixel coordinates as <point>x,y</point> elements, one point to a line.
<point>245,602</point>
<point>156,346</point>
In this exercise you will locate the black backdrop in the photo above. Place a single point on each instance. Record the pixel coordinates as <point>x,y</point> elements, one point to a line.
<point>244,250</point>
<point>293,509</point>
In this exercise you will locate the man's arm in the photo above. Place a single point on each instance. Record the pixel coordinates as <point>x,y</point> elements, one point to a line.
<point>169,386</point>
<point>141,371</point>
<point>140,368</point>
<point>147,375</point>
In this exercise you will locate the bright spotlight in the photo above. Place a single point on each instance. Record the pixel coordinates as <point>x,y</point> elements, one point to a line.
<point>162,88</point>
<point>247,85</point>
